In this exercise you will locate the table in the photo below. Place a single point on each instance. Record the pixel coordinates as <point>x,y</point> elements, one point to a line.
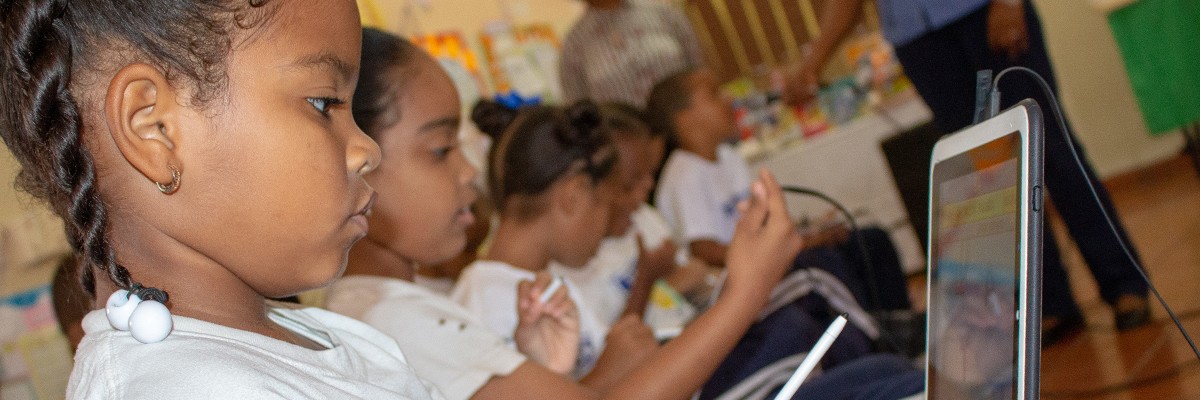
<point>847,164</point>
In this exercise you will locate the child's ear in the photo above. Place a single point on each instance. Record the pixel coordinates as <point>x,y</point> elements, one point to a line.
<point>142,113</point>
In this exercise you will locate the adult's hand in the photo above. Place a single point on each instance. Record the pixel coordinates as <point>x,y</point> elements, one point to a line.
<point>1006,30</point>
<point>800,83</point>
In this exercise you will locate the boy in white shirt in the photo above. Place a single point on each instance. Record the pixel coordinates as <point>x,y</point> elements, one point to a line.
<point>704,178</point>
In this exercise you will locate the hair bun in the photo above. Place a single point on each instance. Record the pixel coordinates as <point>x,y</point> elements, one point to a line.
<point>584,119</point>
<point>492,118</point>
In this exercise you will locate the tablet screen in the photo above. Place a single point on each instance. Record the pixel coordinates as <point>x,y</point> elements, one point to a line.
<point>975,250</point>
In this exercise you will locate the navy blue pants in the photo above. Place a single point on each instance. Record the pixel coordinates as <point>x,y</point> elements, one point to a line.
<point>879,285</point>
<point>873,377</point>
<point>787,331</point>
<point>942,65</point>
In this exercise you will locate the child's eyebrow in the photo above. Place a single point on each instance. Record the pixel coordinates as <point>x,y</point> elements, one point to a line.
<point>444,122</point>
<point>326,60</point>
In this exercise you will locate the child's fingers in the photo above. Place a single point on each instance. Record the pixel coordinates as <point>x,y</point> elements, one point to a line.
<point>560,296</point>
<point>524,296</point>
<point>528,294</point>
<point>778,220</point>
<point>754,212</point>
<point>539,284</point>
<point>562,310</point>
<point>560,304</point>
<point>775,204</point>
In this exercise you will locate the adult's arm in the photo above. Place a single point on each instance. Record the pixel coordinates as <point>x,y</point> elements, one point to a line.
<point>837,20</point>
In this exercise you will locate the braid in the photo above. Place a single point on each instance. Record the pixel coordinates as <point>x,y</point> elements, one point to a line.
<point>41,110</point>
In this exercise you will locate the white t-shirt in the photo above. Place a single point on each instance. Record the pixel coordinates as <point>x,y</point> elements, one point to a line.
<point>488,289</point>
<point>440,286</point>
<point>203,360</point>
<point>443,342</point>
<point>699,197</point>
<point>604,282</point>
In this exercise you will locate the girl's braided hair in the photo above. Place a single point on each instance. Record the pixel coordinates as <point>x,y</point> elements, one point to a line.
<point>49,46</point>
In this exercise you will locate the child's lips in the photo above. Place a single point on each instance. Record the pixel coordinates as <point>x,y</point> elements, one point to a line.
<point>361,221</point>
<point>465,217</point>
<point>360,217</point>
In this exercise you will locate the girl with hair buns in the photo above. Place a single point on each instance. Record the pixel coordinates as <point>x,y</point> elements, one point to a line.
<point>408,104</point>
<point>551,178</point>
<point>186,143</point>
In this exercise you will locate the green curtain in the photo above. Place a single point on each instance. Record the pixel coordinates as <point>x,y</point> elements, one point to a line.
<point>1160,42</point>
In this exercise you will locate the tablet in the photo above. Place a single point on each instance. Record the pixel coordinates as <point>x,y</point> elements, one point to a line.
<point>984,287</point>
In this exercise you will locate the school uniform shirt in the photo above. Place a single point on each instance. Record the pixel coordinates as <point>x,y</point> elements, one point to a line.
<point>699,197</point>
<point>605,281</point>
<point>203,360</point>
<point>488,289</point>
<point>440,286</point>
<point>444,343</point>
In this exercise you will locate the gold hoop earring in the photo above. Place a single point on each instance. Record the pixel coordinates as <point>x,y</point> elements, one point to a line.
<point>174,185</point>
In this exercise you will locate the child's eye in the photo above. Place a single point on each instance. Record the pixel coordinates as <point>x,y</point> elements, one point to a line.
<point>444,152</point>
<point>322,104</point>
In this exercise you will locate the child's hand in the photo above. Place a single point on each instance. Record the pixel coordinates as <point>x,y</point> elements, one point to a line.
<point>629,343</point>
<point>656,263</point>
<point>829,231</point>
<point>764,242</point>
<point>631,338</point>
<point>547,333</point>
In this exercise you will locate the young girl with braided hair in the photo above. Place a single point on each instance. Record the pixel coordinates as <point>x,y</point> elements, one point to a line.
<point>203,149</point>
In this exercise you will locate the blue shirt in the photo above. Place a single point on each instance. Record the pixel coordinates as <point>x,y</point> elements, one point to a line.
<point>906,20</point>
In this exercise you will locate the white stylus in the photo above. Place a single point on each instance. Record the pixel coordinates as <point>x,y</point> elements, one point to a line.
<point>554,285</point>
<point>814,356</point>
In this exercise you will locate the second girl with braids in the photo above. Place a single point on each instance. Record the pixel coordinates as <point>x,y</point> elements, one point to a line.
<point>205,150</point>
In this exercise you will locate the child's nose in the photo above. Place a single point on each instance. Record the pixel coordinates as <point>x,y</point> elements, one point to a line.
<point>362,153</point>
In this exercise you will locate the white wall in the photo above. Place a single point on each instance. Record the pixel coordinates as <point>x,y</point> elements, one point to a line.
<point>1096,91</point>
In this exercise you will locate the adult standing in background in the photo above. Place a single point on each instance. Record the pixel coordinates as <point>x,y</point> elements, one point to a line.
<point>620,48</point>
<point>941,44</point>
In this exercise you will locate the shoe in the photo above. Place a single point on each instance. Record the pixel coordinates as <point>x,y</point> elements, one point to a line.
<point>1131,311</point>
<point>1057,329</point>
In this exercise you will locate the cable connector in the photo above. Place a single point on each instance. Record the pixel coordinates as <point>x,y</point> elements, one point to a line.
<point>987,100</point>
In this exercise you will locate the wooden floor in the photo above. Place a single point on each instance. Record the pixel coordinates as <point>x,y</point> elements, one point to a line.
<point>1160,206</point>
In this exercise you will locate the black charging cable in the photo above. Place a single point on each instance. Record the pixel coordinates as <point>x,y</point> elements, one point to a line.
<point>994,100</point>
<point>869,268</point>
<point>885,337</point>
